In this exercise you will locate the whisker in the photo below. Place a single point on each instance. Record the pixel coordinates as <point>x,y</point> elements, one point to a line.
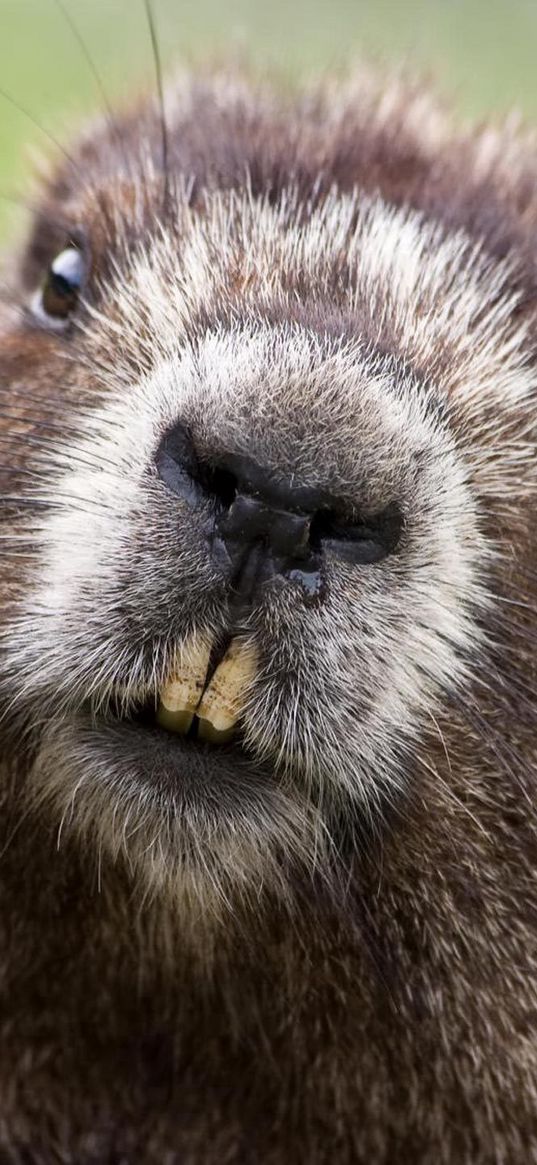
<point>516,690</point>
<point>92,364</point>
<point>452,795</point>
<point>75,32</point>
<point>14,499</point>
<point>510,602</point>
<point>441,738</point>
<point>10,394</point>
<point>72,499</point>
<point>110,116</point>
<point>42,129</point>
<point>160,89</point>
<point>38,423</point>
<point>34,208</point>
<point>46,407</point>
<point>519,630</point>
<point>497,744</point>
<point>66,450</point>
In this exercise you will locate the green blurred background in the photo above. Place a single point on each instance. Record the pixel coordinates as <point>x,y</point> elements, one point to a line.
<point>482,52</point>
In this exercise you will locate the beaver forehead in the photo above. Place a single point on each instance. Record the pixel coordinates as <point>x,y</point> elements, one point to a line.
<point>352,267</point>
<point>260,214</point>
<point>384,134</point>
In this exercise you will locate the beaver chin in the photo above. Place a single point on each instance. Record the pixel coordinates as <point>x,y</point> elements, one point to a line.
<point>187,740</point>
<point>172,763</point>
<point>206,829</point>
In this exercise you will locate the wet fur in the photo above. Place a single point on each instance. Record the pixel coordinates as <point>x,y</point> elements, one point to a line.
<point>338,962</point>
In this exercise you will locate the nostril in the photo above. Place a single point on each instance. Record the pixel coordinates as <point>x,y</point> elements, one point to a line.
<point>221,484</point>
<point>189,478</point>
<point>252,504</point>
<point>177,464</point>
<point>361,542</point>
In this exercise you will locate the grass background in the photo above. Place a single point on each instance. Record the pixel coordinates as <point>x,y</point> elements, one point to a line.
<point>483,52</point>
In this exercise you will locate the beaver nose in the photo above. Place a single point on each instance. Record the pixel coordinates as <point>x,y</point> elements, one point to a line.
<point>261,523</point>
<point>251,519</point>
<point>258,541</point>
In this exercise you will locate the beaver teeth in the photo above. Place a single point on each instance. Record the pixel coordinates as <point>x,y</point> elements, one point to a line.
<point>181,695</point>
<point>223,700</point>
<point>218,704</point>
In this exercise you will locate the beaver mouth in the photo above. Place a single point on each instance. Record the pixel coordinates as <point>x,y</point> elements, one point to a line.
<point>198,705</point>
<point>172,769</point>
<point>133,744</point>
<point>182,729</point>
<point>204,694</point>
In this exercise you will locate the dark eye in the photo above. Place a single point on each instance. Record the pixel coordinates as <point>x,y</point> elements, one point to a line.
<point>57,299</point>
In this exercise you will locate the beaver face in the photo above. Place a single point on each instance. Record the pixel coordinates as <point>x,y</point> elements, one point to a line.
<point>245,563</point>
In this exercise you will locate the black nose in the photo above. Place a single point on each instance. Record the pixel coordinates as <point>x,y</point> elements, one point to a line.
<point>263,524</point>
<point>260,541</point>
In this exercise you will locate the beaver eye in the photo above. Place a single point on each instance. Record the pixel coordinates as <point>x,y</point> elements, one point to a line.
<point>58,297</point>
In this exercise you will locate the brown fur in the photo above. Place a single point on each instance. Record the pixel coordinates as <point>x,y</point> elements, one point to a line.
<point>385,1013</point>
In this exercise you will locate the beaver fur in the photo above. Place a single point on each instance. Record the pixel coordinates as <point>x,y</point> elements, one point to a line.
<point>324,951</point>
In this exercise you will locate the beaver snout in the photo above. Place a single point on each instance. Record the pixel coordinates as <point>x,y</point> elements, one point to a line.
<point>264,524</point>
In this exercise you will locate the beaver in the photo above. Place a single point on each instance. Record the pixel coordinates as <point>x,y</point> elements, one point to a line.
<point>267,675</point>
